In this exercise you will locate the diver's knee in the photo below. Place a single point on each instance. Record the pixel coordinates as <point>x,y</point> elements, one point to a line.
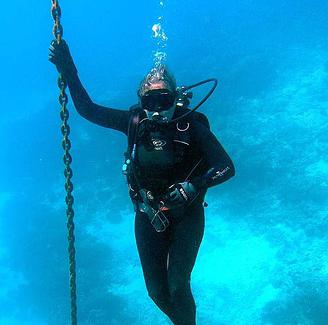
<point>178,288</point>
<point>158,296</point>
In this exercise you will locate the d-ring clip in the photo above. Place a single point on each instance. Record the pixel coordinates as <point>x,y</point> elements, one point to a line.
<point>182,130</point>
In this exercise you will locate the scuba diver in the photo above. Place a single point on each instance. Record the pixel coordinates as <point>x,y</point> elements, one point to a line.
<point>171,160</point>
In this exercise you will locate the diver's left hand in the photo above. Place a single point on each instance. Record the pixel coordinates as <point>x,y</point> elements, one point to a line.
<point>181,194</point>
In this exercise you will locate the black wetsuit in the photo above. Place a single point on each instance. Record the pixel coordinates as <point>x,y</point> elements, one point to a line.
<point>166,156</point>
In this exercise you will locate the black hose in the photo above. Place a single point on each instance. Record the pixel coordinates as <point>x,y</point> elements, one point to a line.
<point>201,102</point>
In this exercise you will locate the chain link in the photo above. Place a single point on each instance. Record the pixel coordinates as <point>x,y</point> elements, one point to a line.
<point>68,173</point>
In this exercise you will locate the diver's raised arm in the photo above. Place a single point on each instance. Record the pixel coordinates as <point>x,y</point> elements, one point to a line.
<point>107,117</point>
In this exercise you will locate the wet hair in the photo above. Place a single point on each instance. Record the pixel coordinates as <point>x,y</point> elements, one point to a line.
<point>159,73</point>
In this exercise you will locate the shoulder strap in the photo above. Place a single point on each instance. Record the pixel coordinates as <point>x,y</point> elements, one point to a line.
<point>194,116</point>
<point>201,118</point>
<point>133,126</point>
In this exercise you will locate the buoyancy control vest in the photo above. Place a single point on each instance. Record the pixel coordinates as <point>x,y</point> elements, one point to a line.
<point>140,126</point>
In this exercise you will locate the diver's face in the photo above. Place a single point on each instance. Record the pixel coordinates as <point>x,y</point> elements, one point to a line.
<point>159,102</point>
<point>157,85</point>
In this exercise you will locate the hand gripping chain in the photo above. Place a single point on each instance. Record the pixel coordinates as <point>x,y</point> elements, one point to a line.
<point>68,173</point>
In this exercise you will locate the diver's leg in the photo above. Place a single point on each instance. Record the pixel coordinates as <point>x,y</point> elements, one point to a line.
<point>186,239</point>
<point>153,250</point>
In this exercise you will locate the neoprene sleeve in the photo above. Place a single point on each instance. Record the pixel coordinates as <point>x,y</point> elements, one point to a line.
<point>107,117</point>
<point>222,167</point>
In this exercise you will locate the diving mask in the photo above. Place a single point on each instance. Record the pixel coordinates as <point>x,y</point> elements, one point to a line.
<point>159,104</point>
<point>158,100</point>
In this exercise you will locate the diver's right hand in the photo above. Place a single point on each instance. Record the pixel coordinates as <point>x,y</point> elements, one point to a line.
<point>61,57</point>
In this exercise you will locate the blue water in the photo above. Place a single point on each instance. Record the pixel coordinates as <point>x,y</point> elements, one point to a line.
<point>264,256</point>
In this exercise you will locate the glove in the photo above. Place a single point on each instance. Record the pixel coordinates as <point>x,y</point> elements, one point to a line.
<point>61,57</point>
<point>181,194</point>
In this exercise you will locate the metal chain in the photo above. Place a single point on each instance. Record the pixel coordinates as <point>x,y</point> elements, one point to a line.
<point>68,173</point>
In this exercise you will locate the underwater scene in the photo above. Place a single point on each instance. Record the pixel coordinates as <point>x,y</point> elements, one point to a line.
<point>263,257</point>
